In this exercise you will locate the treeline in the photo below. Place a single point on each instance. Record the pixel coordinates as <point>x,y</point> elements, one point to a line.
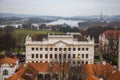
<point>7,40</point>
<point>97,30</point>
<point>69,29</point>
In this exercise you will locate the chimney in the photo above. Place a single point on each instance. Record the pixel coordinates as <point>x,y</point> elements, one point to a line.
<point>119,55</point>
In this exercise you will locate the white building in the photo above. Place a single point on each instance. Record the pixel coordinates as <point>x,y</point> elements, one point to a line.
<point>60,47</point>
<point>8,67</point>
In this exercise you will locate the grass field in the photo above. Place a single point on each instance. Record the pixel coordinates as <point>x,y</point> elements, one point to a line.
<point>32,32</point>
<point>21,34</point>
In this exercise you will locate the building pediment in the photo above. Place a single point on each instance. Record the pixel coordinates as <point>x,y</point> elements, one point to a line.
<point>61,43</point>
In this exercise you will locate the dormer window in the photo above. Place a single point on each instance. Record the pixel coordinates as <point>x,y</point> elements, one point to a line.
<point>5,72</point>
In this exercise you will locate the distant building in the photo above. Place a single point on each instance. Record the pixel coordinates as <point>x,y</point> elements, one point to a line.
<point>3,26</point>
<point>17,26</point>
<point>108,41</point>
<point>35,26</point>
<point>54,47</point>
<point>44,27</point>
<point>8,67</point>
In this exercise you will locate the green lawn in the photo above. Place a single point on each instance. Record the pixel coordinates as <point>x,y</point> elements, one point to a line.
<point>21,34</point>
<point>32,32</point>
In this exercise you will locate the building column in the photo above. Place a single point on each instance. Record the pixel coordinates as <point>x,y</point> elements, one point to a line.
<point>43,76</point>
<point>51,76</point>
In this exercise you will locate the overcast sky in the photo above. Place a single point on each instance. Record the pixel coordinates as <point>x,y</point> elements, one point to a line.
<point>61,7</point>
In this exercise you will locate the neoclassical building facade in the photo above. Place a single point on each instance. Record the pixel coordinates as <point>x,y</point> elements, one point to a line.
<point>69,47</point>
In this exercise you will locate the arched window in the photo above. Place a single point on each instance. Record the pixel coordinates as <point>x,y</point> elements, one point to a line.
<point>5,72</point>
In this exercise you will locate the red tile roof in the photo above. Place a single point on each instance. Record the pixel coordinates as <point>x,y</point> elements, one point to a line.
<point>91,70</point>
<point>115,75</point>
<point>112,34</point>
<point>10,61</point>
<point>15,77</point>
<point>45,67</point>
<point>92,77</point>
<point>25,73</point>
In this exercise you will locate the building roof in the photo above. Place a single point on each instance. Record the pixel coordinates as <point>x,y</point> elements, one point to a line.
<point>79,38</point>
<point>111,34</point>
<point>92,77</point>
<point>40,67</point>
<point>15,77</point>
<point>40,37</point>
<point>25,73</point>
<point>46,67</point>
<point>7,60</point>
<point>107,71</point>
<point>93,71</point>
<point>115,75</point>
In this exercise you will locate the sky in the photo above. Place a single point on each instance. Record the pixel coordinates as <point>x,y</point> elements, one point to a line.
<point>65,8</point>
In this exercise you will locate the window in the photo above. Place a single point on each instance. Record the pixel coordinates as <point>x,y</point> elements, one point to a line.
<point>78,62</point>
<point>86,49</point>
<point>32,49</point>
<point>36,55</point>
<point>64,55</point>
<point>73,62</point>
<point>69,49</point>
<point>74,49</point>
<point>60,49</point>
<point>51,49</point>
<point>55,49</point>
<point>64,49</point>
<point>41,56</point>
<point>60,56</point>
<point>73,55</point>
<point>69,55</point>
<point>86,62</point>
<point>78,49</point>
<point>82,55</point>
<point>36,49</point>
<point>40,49</point>
<point>86,55</point>
<point>82,49</point>
<point>46,55</point>
<point>46,49</point>
<point>55,55</point>
<point>5,72</point>
<point>50,55</point>
<point>32,55</point>
<point>82,62</point>
<point>78,56</point>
